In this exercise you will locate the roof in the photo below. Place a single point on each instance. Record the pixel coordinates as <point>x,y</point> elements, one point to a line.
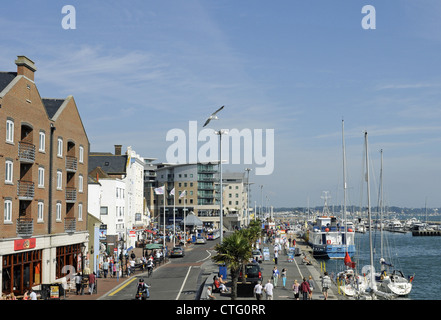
<point>6,78</point>
<point>192,220</point>
<point>109,163</point>
<point>52,106</point>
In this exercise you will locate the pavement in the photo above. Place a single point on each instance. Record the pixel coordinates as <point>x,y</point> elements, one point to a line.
<point>295,270</point>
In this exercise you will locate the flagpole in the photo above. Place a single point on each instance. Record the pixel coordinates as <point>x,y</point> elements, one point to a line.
<point>163,236</point>
<point>185,229</point>
<point>174,218</point>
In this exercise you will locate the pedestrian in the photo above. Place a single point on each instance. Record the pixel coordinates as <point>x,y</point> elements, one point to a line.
<point>276,256</point>
<point>258,290</point>
<point>78,280</point>
<point>111,268</point>
<point>269,290</point>
<point>105,268</point>
<point>304,288</point>
<point>295,290</point>
<point>276,276</point>
<point>283,274</point>
<point>92,279</point>
<point>326,283</point>
<point>32,295</point>
<point>311,287</point>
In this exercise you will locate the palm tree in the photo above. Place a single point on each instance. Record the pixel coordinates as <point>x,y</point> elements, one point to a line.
<point>234,252</point>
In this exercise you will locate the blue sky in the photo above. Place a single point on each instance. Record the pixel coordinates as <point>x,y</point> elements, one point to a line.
<point>137,71</point>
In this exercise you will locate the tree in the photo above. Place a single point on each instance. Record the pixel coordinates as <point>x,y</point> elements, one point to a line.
<point>234,252</point>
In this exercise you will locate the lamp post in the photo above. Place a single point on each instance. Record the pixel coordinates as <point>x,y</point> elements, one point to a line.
<point>221,214</point>
<point>248,195</point>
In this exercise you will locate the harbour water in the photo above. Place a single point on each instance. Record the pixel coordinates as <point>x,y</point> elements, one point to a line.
<point>414,256</point>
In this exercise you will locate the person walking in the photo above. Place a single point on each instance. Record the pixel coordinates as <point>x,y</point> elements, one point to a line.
<point>105,268</point>
<point>311,287</point>
<point>283,274</point>
<point>326,283</point>
<point>92,278</point>
<point>304,288</point>
<point>269,290</point>
<point>78,280</point>
<point>295,290</point>
<point>258,290</point>
<point>276,276</point>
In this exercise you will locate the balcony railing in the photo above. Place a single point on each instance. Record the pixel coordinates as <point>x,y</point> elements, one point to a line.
<point>70,225</point>
<point>71,164</point>
<point>26,152</point>
<point>71,194</point>
<point>25,227</point>
<point>25,190</point>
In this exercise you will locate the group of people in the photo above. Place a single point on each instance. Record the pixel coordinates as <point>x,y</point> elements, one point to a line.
<point>110,267</point>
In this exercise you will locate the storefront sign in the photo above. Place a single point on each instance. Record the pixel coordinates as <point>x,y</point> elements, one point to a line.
<point>24,244</point>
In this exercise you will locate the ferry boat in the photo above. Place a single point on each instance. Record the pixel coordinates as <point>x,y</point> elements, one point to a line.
<point>331,240</point>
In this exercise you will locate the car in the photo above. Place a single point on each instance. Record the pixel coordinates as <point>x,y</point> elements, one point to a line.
<point>251,273</point>
<point>177,252</point>
<point>257,256</point>
<point>201,240</point>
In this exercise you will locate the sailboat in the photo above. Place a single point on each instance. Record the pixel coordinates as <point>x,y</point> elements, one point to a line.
<point>390,280</point>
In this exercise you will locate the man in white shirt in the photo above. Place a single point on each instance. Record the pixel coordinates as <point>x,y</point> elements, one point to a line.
<point>269,290</point>
<point>258,290</point>
<point>33,295</point>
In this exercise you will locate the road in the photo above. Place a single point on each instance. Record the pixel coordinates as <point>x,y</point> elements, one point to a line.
<point>179,279</point>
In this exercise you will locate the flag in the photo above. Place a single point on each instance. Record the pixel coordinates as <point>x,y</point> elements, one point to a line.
<point>182,194</point>
<point>172,193</point>
<point>159,190</point>
<point>348,262</point>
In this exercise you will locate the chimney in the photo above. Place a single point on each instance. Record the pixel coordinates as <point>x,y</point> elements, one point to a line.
<point>25,67</point>
<point>118,149</point>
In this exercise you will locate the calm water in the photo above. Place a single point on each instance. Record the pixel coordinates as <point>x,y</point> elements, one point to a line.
<point>418,256</point>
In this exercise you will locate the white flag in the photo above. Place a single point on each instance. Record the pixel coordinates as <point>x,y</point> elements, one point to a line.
<point>160,190</point>
<point>182,194</point>
<point>172,193</point>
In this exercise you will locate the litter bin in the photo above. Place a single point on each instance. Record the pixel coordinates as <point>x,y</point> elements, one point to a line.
<point>223,271</point>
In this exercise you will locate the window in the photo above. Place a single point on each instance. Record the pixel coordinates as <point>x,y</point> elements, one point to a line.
<point>40,211</point>
<point>60,147</point>
<point>42,141</point>
<point>80,183</point>
<point>81,159</point>
<point>58,210</point>
<point>10,131</point>
<point>8,171</point>
<point>59,179</point>
<point>41,177</point>
<point>8,211</point>
<point>103,211</point>
<point>80,211</point>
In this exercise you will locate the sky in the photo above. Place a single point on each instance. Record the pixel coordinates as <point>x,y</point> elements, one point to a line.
<point>140,69</point>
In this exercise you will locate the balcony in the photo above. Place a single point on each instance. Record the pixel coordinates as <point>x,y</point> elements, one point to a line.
<point>25,227</point>
<point>70,225</point>
<point>71,195</point>
<point>25,190</point>
<point>26,152</point>
<point>71,164</point>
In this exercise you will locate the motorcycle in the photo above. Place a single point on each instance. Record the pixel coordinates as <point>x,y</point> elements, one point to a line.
<point>142,292</point>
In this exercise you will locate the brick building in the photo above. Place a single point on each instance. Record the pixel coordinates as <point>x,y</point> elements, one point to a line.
<point>43,183</point>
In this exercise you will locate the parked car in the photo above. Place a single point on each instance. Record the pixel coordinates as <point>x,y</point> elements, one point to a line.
<point>251,273</point>
<point>257,256</point>
<point>201,240</point>
<point>177,252</point>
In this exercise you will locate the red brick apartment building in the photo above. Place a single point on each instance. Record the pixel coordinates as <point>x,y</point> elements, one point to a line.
<point>43,183</point>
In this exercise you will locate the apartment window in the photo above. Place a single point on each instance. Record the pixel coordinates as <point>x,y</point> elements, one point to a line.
<point>41,177</point>
<point>59,179</point>
<point>60,147</point>
<point>58,211</point>
<point>10,131</point>
<point>42,146</point>
<point>80,183</point>
<point>104,211</point>
<point>40,211</point>
<point>8,211</point>
<point>8,171</point>
<point>191,184</point>
<point>81,158</point>
<point>80,211</point>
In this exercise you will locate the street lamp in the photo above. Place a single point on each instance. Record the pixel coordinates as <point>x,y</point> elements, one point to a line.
<point>248,195</point>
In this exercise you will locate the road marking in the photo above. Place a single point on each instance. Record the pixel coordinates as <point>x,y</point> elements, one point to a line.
<point>123,286</point>
<point>183,283</point>
<point>209,255</point>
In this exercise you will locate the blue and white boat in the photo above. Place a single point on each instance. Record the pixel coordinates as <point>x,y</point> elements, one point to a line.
<point>331,240</point>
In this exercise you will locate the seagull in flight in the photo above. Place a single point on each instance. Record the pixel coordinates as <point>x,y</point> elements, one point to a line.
<point>213,116</point>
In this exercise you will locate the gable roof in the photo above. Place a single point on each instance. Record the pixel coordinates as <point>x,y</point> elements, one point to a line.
<point>110,164</point>
<point>52,105</point>
<point>6,78</point>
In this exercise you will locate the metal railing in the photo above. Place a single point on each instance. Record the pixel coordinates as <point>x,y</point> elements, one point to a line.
<point>25,227</point>
<point>25,190</point>
<point>26,151</point>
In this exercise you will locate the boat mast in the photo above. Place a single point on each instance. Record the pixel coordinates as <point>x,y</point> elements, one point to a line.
<point>381,205</point>
<point>344,183</point>
<point>369,212</point>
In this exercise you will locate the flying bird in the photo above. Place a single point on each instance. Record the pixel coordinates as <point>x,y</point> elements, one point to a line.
<point>213,116</point>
